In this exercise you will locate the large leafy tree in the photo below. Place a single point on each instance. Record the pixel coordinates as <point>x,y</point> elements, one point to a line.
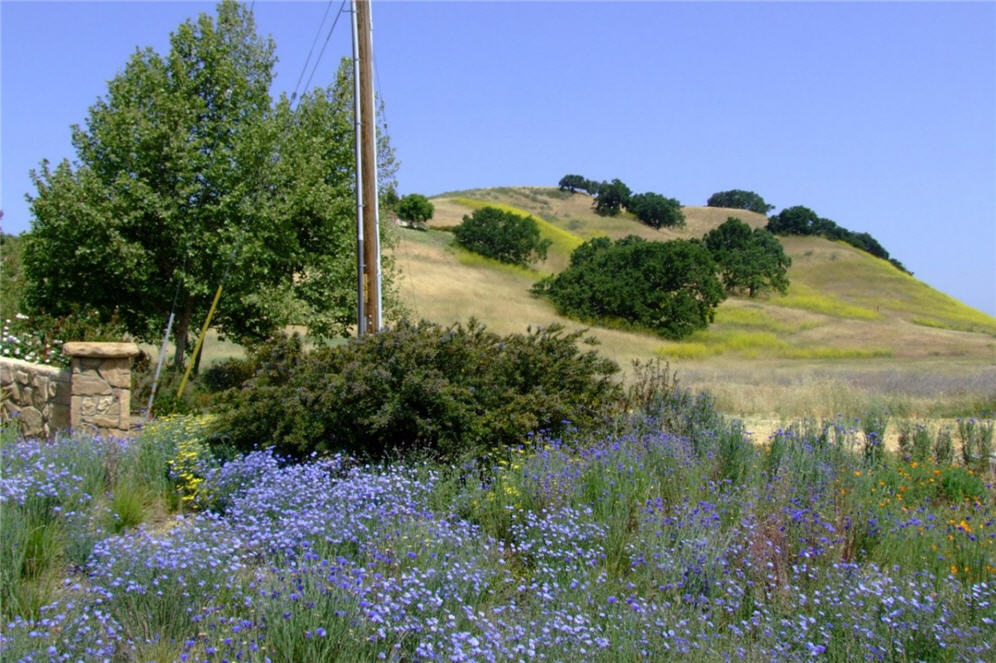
<point>657,211</point>
<point>502,235</point>
<point>740,199</point>
<point>188,175</point>
<point>750,260</point>
<point>415,209</point>
<point>611,198</point>
<point>669,287</point>
<point>572,183</point>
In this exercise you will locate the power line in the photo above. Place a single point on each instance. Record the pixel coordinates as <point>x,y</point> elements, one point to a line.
<point>327,38</point>
<point>318,33</point>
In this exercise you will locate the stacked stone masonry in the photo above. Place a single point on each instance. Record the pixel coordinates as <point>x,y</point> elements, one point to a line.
<point>93,395</point>
<point>37,396</point>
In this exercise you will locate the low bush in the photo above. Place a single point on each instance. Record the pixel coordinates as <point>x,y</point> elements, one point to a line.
<point>420,387</point>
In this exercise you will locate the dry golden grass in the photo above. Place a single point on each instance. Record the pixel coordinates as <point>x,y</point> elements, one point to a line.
<point>761,358</point>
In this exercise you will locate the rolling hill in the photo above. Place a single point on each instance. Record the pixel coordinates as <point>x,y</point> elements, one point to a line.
<point>852,331</point>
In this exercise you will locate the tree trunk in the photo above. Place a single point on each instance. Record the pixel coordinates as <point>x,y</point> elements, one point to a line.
<point>182,327</point>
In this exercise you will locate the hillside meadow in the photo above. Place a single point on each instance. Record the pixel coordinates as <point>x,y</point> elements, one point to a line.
<point>852,333</point>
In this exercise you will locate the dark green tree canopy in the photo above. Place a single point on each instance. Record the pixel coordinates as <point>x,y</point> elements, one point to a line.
<point>187,175</point>
<point>572,183</point>
<point>415,209</point>
<point>749,260</point>
<point>669,287</point>
<point>801,220</point>
<point>611,198</point>
<point>502,235</point>
<point>656,211</point>
<point>798,220</point>
<point>740,199</point>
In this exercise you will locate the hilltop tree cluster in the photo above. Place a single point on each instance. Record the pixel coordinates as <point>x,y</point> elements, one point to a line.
<point>611,197</point>
<point>672,288</point>
<point>188,175</point>
<point>799,220</point>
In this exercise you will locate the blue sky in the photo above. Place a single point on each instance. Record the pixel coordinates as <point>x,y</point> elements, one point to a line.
<point>880,116</point>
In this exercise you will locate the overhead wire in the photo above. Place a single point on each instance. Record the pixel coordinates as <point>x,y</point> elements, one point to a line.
<point>311,51</point>
<point>327,39</point>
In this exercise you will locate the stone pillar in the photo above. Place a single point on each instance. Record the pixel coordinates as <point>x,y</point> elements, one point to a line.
<point>101,386</point>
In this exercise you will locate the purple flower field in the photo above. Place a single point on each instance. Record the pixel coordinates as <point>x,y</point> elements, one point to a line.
<point>635,546</point>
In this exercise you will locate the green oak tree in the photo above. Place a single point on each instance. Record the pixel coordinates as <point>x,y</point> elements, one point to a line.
<point>415,209</point>
<point>749,260</point>
<point>611,198</point>
<point>502,235</point>
<point>669,287</point>
<point>573,183</point>
<point>656,211</point>
<point>740,199</point>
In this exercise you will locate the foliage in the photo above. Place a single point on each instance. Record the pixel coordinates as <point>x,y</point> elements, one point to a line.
<point>636,545</point>
<point>669,287</point>
<point>740,199</point>
<point>611,198</point>
<point>572,183</point>
<point>749,260</point>
<point>799,220</point>
<point>656,211</point>
<point>420,387</point>
<point>502,235</point>
<point>188,175</point>
<point>415,209</point>
<point>12,280</point>
<point>39,338</point>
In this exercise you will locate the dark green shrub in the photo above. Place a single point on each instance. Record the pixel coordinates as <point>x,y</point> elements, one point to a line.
<point>501,235</point>
<point>423,388</point>
<point>227,374</point>
<point>668,287</point>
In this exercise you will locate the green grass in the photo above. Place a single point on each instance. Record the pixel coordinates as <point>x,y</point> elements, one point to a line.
<point>808,298</point>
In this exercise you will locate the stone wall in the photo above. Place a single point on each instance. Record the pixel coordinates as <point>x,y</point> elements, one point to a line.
<point>93,395</point>
<point>37,396</point>
<point>101,386</point>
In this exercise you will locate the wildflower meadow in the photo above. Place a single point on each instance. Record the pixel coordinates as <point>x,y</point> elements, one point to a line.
<point>628,545</point>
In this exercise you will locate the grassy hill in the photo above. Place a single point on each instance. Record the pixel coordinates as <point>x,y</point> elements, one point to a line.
<point>852,331</point>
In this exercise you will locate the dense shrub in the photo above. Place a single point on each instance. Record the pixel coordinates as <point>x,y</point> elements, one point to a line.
<point>501,235</point>
<point>669,287</point>
<point>420,387</point>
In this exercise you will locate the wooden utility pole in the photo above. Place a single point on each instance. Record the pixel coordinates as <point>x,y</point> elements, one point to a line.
<point>368,234</point>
